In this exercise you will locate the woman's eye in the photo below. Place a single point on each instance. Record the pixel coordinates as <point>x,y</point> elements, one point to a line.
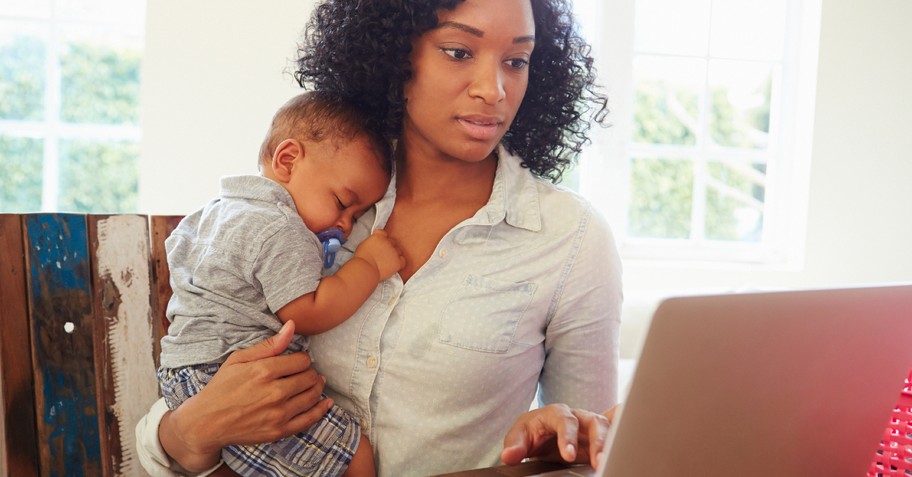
<point>518,63</point>
<point>457,53</point>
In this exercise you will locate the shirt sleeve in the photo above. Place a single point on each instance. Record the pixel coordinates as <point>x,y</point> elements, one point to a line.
<point>581,342</point>
<point>152,455</point>
<point>289,265</point>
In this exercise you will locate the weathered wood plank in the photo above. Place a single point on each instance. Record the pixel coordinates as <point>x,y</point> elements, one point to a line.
<point>161,227</point>
<point>18,438</point>
<point>125,365</point>
<point>62,327</point>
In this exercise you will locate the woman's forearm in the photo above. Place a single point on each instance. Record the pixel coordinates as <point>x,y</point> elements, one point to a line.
<point>257,396</point>
<point>189,448</point>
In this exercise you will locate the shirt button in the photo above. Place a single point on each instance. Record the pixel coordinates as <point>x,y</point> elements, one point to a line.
<point>372,362</point>
<point>442,253</point>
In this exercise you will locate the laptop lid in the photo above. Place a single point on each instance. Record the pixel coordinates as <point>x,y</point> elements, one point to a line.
<point>791,383</point>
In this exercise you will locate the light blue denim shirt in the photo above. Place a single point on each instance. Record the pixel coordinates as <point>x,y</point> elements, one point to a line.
<point>527,292</point>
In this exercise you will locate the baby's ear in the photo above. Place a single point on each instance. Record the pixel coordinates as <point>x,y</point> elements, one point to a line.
<point>283,160</point>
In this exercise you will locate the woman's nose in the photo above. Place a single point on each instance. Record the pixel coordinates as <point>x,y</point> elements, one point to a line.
<point>488,84</point>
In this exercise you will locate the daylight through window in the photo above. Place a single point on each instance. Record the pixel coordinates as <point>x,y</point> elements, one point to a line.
<point>711,114</point>
<point>69,114</point>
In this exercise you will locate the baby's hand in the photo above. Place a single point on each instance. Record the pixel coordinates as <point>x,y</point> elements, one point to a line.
<point>383,252</point>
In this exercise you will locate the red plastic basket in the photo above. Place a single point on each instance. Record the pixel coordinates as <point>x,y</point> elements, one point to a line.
<point>894,456</point>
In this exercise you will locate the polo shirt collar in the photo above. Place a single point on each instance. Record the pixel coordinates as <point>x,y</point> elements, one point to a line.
<point>514,197</point>
<point>254,187</point>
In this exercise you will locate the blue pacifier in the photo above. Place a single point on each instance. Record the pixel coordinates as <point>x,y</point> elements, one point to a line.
<point>332,241</point>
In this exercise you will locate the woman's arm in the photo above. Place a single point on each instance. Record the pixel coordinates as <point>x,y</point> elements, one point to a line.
<point>581,338</point>
<point>580,370</point>
<point>256,396</point>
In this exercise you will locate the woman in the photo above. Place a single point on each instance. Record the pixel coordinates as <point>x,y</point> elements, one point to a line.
<point>511,284</point>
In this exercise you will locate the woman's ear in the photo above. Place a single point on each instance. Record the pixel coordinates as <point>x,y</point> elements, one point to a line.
<point>283,160</point>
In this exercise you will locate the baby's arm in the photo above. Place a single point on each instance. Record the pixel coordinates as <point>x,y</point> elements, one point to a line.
<point>338,296</point>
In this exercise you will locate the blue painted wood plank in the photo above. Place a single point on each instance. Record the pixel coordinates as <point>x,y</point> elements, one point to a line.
<point>62,328</point>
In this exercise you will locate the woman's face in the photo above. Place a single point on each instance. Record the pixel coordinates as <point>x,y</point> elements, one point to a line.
<point>469,76</point>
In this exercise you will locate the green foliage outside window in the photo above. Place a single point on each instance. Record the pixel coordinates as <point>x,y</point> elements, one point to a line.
<point>663,189</point>
<point>98,177</point>
<point>661,201</point>
<point>661,114</point>
<point>99,86</point>
<point>723,129</point>
<point>734,128</point>
<point>734,210</point>
<point>20,161</point>
<point>22,79</point>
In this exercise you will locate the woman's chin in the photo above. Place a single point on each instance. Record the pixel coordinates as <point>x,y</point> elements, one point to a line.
<point>474,153</point>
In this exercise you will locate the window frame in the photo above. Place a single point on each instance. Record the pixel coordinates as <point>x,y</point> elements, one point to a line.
<point>54,27</point>
<point>604,170</point>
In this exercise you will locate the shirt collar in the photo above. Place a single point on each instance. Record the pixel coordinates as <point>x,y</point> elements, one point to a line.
<point>514,197</point>
<point>251,187</point>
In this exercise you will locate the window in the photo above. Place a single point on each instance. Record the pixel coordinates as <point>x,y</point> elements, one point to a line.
<point>69,114</point>
<point>711,102</point>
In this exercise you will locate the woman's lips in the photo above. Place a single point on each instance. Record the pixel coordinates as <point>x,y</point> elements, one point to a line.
<point>480,128</point>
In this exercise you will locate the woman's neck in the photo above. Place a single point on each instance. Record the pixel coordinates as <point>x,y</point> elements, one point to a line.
<point>423,178</point>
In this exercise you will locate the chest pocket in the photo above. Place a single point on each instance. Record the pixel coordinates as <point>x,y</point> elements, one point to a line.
<point>484,314</point>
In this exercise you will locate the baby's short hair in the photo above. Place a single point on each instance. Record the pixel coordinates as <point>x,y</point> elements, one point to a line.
<point>317,116</point>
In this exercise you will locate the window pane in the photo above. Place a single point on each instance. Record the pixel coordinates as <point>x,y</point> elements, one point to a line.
<point>28,8</point>
<point>20,183</point>
<point>666,109</point>
<point>679,27</point>
<point>741,95</point>
<point>21,77</point>
<point>748,29</point>
<point>100,84</point>
<point>98,177</point>
<point>126,14</point>
<point>661,204</point>
<point>734,201</point>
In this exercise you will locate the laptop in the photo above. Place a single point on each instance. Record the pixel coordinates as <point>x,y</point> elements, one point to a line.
<point>794,383</point>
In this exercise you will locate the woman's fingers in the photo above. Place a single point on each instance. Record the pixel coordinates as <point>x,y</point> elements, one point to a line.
<point>557,432</point>
<point>272,346</point>
<point>594,430</point>
<point>309,416</point>
<point>567,432</point>
<point>549,432</point>
<point>278,367</point>
<point>305,390</point>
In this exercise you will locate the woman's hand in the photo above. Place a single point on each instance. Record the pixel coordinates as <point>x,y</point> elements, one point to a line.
<point>557,433</point>
<point>256,396</point>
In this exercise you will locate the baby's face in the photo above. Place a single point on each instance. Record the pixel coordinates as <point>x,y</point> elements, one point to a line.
<point>335,182</point>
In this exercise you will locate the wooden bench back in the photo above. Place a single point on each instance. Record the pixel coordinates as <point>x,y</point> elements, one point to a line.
<point>82,304</point>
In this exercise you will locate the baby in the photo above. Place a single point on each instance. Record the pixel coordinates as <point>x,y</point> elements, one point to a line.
<point>251,260</point>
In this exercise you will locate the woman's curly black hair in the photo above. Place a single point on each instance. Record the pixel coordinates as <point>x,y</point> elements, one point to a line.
<point>360,49</point>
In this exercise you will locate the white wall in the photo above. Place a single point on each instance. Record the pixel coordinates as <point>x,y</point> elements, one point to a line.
<point>215,72</point>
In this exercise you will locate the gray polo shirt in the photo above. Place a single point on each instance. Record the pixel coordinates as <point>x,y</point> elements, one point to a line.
<point>233,264</point>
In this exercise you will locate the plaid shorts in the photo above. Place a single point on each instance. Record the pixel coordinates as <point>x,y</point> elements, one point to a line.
<point>326,449</point>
